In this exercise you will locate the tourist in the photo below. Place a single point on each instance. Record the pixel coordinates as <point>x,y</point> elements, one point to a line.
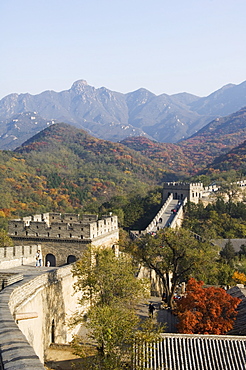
<point>37,258</point>
<point>40,260</point>
<point>151,310</point>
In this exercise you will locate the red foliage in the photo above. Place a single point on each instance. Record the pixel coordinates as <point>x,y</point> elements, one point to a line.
<point>206,310</point>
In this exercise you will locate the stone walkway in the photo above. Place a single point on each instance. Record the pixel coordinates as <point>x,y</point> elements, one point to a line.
<point>28,271</point>
<point>161,315</point>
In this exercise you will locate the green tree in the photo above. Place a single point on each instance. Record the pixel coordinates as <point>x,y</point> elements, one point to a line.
<point>242,251</point>
<point>174,255</point>
<point>110,288</point>
<point>5,240</point>
<point>228,253</point>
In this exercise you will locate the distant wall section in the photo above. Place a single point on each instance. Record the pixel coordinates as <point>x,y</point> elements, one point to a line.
<point>64,238</point>
<point>192,191</point>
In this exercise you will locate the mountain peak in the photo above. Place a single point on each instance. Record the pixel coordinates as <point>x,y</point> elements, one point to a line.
<point>78,86</point>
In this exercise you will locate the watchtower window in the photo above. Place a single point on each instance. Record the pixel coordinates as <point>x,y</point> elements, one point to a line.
<point>30,249</point>
<point>37,226</point>
<point>58,235</point>
<point>15,232</point>
<point>23,250</point>
<point>14,251</point>
<point>70,235</point>
<point>26,233</point>
<point>5,252</point>
<point>82,236</point>
<point>15,225</point>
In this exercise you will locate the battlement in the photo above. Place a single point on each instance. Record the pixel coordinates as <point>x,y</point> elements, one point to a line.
<point>62,226</point>
<point>181,190</point>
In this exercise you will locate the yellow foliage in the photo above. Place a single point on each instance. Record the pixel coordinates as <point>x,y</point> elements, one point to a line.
<point>239,277</point>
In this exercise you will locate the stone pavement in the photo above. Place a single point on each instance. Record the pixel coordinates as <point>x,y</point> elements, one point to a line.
<point>161,315</point>
<point>28,271</point>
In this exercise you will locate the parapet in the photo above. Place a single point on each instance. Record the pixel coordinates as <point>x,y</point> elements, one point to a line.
<point>58,226</point>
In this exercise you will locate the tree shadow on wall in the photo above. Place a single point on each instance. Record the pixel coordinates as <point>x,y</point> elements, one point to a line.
<point>54,329</point>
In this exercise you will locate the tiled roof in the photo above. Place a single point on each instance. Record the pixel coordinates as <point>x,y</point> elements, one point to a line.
<point>239,327</point>
<point>235,242</point>
<point>196,352</point>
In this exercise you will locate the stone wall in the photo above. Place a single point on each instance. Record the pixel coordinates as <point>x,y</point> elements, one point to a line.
<point>8,278</point>
<point>35,314</point>
<point>18,255</point>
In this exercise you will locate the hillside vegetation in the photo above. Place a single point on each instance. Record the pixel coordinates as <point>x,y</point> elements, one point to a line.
<point>65,169</point>
<point>192,156</point>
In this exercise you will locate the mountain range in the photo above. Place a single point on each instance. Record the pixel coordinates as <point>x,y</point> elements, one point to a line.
<point>114,116</point>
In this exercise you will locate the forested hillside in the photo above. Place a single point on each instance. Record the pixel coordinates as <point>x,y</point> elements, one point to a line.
<point>191,156</point>
<point>65,169</point>
<point>234,160</point>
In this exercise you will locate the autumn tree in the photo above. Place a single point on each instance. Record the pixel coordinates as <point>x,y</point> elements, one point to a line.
<point>239,277</point>
<point>110,291</point>
<point>173,255</point>
<point>206,310</point>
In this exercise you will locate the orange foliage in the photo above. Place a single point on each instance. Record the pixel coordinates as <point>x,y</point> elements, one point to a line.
<point>206,310</point>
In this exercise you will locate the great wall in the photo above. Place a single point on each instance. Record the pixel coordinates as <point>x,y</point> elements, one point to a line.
<point>36,302</point>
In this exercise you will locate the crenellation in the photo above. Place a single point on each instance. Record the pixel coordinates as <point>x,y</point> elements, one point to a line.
<point>89,218</point>
<point>18,255</point>
<point>60,226</point>
<point>63,238</point>
<point>181,190</point>
<point>37,218</point>
<point>71,217</point>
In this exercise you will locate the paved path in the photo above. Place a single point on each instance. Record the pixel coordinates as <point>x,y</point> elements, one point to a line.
<point>167,216</point>
<point>161,315</point>
<point>28,271</point>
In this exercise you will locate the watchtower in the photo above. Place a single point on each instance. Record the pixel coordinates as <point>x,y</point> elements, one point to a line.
<point>181,190</point>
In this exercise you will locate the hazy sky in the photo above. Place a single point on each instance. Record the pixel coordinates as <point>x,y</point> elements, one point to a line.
<point>170,46</point>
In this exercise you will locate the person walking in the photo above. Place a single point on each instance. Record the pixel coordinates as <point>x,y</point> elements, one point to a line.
<point>37,258</point>
<point>40,259</point>
<point>151,310</point>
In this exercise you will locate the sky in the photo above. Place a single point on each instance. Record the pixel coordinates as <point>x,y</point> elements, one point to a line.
<point>165,46</point>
